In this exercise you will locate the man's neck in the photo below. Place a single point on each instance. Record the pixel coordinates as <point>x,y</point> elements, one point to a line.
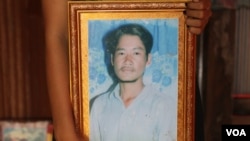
<point>129,91</point>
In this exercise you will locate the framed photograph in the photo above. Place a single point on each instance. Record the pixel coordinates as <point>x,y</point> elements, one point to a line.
<point>132,70</point>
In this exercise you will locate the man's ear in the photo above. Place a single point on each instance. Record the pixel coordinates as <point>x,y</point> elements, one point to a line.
<point>112,60</point>
<point>149,59</point>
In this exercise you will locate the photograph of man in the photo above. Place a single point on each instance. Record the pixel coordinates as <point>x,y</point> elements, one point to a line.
<point>131,110</point>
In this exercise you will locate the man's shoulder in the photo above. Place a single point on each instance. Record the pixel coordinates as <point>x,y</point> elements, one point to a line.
<point>100,97</point>
<point>159,96</point>
<point>99,100</point>
<point>156,91</point>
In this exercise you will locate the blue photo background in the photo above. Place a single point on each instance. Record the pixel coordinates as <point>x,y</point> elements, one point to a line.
<point>163,71</point>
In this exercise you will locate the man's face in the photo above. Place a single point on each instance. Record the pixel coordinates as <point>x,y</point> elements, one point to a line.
<point>130,59</point>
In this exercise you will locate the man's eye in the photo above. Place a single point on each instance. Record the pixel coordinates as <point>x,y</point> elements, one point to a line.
<point>120,53</point>
<point>137,53</point>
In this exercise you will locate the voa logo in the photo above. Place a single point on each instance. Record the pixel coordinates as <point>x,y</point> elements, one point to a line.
<point>236,132</point>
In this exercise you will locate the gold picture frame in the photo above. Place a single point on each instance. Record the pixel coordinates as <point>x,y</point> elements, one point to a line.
<point>82,14</point>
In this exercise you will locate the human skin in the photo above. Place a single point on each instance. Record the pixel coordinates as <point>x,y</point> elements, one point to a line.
<point>130,59</point>
<point>198,13</point>
<point>129,62</point>
<point>55,16</point>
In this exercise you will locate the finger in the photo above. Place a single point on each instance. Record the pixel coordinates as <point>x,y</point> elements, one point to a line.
<point>199,5</point>
<point>195,22</point>
<point>195,30</point>
<point>198,14</point>
<point>201,0</point>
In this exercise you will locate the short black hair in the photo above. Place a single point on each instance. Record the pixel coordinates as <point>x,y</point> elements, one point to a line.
<point>111,39</point>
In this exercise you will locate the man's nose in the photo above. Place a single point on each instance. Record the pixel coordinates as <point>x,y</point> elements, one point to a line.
<point>128,58</point>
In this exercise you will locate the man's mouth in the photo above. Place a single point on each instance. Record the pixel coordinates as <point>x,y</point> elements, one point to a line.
<point>127,69</point>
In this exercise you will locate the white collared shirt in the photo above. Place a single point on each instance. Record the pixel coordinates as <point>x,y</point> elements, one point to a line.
<point>150,117</point>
